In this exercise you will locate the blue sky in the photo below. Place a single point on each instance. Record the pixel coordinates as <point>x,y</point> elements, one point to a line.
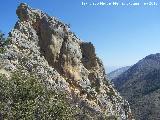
<point>121,35</point>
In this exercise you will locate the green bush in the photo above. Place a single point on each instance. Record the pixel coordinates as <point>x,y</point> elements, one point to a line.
<point>2,50</point>
<point>3,42</point>
<point>25,98</point>
<point>1,36</point>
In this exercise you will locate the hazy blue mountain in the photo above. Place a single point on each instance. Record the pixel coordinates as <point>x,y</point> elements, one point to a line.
<point>109,69</point>
<point>117,72</point>
<point>140,85</point>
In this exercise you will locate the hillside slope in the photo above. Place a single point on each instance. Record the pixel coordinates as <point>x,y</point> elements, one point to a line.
<point>140,85</point>
<point>44,46</point>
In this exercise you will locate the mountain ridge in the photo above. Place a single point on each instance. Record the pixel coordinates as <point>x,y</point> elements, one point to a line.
<point>140,86</point>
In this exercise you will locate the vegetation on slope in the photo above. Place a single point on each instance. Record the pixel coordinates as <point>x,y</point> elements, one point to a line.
<point>3,41</point>
<point>24,97</point>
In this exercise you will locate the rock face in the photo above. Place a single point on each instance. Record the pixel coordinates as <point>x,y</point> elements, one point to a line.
<point>140,85</point>
<point>114,74</point>
<point>45,46</point>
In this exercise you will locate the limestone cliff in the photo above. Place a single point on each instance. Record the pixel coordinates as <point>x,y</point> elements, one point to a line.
<point>46,47</point>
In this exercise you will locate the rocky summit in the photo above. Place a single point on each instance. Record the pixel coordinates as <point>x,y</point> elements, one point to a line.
<point>45,46</point>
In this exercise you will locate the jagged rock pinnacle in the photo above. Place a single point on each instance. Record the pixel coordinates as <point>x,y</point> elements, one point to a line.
<point>23,12</point>
<point>46,47</point>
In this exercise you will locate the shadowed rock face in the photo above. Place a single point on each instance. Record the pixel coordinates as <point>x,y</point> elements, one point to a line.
<point>46,47</point>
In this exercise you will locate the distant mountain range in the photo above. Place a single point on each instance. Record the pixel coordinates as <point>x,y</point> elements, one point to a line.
<point>140,85</point>
<point>117,72</point>
<point>109,69</point>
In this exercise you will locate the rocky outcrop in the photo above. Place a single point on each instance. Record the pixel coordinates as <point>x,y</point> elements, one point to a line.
<point>45,46</point>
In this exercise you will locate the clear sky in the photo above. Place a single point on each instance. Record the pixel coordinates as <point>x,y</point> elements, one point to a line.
<point>122,35</point>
